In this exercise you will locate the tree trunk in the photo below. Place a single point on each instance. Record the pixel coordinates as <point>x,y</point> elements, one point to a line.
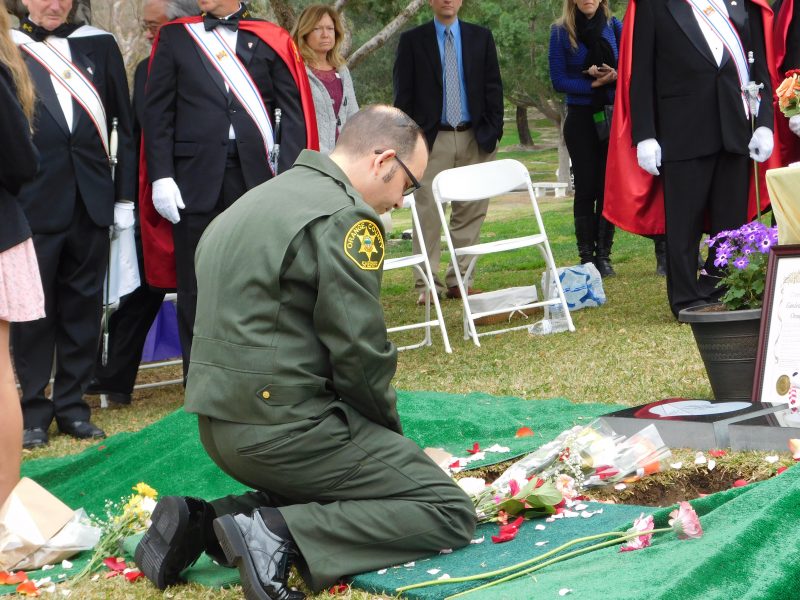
<point>380,38</point>
<point>284,13</point>
<point>564,175</point>
<point>523,129</point>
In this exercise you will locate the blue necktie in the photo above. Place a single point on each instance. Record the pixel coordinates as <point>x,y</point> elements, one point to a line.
<point>452,83</point>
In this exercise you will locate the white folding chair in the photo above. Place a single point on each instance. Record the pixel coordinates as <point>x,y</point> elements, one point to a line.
<point>419,262</point>
<point>487,180</point>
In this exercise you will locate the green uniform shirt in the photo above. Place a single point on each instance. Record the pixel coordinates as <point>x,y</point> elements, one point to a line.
<point>289,321</point>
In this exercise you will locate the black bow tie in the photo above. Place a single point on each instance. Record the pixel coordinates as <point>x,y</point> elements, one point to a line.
<point>231,22</point>
<point>39,33</point>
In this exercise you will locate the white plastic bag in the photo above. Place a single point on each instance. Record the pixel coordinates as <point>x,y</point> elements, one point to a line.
<point>77,535</point>
<point>583,288</point>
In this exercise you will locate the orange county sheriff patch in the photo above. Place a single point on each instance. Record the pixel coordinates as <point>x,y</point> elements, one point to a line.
<point>364,245</point>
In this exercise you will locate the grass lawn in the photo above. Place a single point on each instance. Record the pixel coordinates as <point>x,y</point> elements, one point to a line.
<point>628,351</point>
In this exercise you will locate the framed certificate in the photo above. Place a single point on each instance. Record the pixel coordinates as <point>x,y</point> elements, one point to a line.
<point>777,376</point>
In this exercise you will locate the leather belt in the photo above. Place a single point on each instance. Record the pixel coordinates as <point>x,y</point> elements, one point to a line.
<point>459,127</point>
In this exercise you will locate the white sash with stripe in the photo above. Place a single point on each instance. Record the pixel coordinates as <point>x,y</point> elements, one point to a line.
<point>70,76</point>
<point>224,60</point>
<point>715,16</point>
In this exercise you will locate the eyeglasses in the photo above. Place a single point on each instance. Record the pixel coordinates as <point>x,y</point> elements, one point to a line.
<point>150,26</point>
<point>415,185</point>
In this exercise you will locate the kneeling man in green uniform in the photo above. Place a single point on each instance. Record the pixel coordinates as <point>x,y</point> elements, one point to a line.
<point>290,376</point>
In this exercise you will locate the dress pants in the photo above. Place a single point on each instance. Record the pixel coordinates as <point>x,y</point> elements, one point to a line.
<point>450,149</point>
<point>703,194</point>
<point>186,234</point>
<point>128,327</point>
<point>73,265</point>
<point>356,496</point>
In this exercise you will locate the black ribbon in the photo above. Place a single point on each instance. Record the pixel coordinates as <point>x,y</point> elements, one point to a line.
<point>39,33</point>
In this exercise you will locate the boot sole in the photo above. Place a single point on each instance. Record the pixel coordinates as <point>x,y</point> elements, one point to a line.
<point>154,551</point>
<point>236,553</point>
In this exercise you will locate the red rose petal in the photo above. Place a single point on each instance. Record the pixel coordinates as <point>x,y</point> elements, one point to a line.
<point>717,453</point>
<point>781,470</point>
<point>27,588</point>
<point>739,483</point>
<point>114,564</point>
<point>475,448</point>
<point>339,588</point>
<point>513,488</point>
<point>133,575</point>
<point>456,464</point>
<point>12,578</point>
<point>524,432</point>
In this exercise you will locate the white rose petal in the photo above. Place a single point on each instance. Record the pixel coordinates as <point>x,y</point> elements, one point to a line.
<point>587,513</point>
<point>772,458</point>
<point>62,576</point>
<point>498,448</point>
<point>699,458</point>
<point>478,540</point>
<point>95,577</point>
<point>48,567</point>
<point>472,486</point>
<point>445,576</point>
<point>550,520</point>
<point>540,527</point>
<point>409,564</point>
<point>433,571</point>
<point>564,591</point>
<point>711,464</point>
<point>569,514</point>
<point>581,506</point>
<point>382,571</point>
<point>477,456</point>
<point>541,543</point>
<point>65,564</point>
<point>676,465</point>
<point>620,486</point>
<point>446,551</point>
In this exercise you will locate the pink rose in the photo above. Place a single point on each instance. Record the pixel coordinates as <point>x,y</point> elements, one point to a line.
<point>685,522</point>
<point>641,525</point>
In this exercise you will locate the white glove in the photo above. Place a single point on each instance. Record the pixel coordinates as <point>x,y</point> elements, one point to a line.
<point>123,216</point>
<point>167,199</point>
<point>760,145</point>
<point>648,153</point>
<point>794,124</point>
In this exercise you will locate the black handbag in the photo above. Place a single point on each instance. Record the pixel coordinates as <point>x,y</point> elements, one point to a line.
<point>602,122</point>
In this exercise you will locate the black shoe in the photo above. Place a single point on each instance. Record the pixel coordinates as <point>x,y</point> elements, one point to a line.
<point>95,388</point>
<point>263,558</point>
<point>175,539</point>
<point>82,430</point>
<point>34,437</point>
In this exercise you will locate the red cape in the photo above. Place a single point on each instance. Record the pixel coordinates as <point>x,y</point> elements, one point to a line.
<point>788,144</point>
<point>634,199</point>
<point>159,251</point>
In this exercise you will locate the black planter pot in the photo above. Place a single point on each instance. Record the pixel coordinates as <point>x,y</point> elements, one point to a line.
<point>728,343</point>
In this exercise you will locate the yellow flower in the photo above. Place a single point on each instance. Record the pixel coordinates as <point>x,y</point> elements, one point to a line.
<point>145,490</point>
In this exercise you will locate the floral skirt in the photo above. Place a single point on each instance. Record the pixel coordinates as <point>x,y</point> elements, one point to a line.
<point>21,297</point>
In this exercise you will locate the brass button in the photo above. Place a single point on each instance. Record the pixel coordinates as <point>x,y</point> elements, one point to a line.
<point>265,395</point>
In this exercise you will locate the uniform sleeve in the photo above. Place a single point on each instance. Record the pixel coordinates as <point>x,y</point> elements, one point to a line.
<point>18,157</point>
<point>118,104</point>
<point>760,70</point>
<point>493,91</point>
<point>159,109</point>
<point>348,315</point>
<point>643,116</point>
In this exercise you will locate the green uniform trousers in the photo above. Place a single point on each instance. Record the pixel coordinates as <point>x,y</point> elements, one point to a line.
<point>356,496</point>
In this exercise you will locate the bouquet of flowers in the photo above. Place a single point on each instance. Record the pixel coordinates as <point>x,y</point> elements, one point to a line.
<point>128,517</point>
<point>526,498</point>
<point>742,255</point>
<point>788,94</point>
<point>589,456</point>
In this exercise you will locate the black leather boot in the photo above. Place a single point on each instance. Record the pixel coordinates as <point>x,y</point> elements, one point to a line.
<point>585,236</point>
<point>180,532</point>
<point>605,239</point>
<point>660,246</point>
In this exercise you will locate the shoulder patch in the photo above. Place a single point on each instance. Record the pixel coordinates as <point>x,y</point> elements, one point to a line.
<point>363,244</point>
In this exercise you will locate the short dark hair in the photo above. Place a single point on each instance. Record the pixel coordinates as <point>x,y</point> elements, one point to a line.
<point>378,127</point>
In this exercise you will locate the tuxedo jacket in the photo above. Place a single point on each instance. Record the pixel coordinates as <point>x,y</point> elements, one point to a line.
<point>18,163</point>
<point>74,163</point>
<point>418,89</point>
<point>188,113</point>
<point>679,95</point>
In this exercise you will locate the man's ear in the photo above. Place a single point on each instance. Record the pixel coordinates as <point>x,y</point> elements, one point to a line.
<point>379,159</point>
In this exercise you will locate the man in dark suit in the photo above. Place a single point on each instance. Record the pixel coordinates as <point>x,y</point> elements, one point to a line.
<point>81,84</point>
<point>129,324</point>
<point>787,50</point>
<point>446,78</point>
<point>690,117</point>
<point>204,143</point>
